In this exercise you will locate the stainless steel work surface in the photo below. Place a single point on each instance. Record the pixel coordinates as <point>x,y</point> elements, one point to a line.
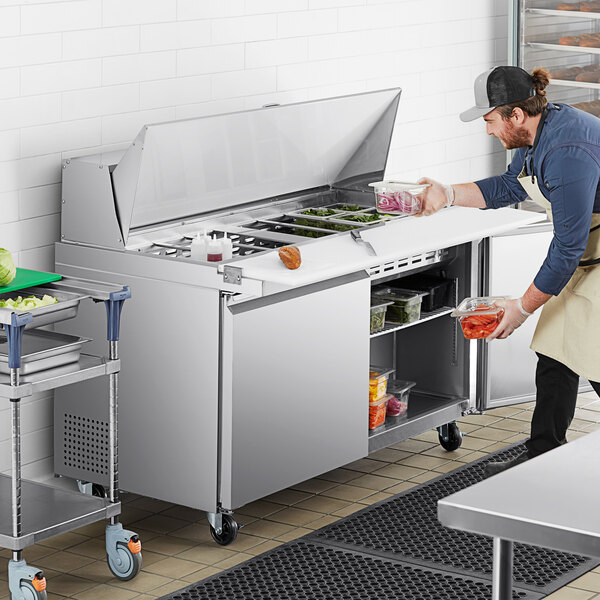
<point>550,501</point>
<point>48,511</point>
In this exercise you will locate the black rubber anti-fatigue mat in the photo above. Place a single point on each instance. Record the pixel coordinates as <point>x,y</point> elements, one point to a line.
<point>311,571</point>
<point>405,528</point>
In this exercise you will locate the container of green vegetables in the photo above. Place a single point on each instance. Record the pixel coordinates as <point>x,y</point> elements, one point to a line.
<point>378,310</point>
<point>405,305</point>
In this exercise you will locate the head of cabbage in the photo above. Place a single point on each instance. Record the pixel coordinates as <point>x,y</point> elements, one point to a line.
<point>7,267</point>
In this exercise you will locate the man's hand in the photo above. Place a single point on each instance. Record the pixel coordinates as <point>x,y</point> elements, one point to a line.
<point>435,197</point>
<point>514,317</point>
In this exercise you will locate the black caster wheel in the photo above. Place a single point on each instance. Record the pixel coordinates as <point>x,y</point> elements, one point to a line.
<point>124,564</point>
<point>98,490</point>
<point>450,436</point>
<point>228,533</point>
<point>30,593</point>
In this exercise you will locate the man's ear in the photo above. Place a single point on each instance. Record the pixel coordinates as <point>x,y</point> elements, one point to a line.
<point>518,114</point>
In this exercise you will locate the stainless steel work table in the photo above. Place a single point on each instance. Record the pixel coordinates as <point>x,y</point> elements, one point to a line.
<point>551,501</point>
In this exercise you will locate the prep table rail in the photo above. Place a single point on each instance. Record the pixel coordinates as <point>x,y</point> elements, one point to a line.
<point>39,511</point>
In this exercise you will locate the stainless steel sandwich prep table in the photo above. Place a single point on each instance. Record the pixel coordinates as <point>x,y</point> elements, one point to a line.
<point>260,380</point>
<point>34,511</point>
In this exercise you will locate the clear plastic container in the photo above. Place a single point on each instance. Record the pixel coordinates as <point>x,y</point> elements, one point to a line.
<point>406,306</point>
<point>398,197</point>
<point>378,310</point>
<point>377,410</point>
<point>378,378</point>
<point>399,391</point>
<point>479,317</point>
<point>438,290</point>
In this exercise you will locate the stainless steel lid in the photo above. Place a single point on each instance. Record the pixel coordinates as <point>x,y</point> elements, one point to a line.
<point>185,168</point>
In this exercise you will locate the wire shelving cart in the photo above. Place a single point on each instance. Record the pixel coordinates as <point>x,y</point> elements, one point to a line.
<point>32,511</point>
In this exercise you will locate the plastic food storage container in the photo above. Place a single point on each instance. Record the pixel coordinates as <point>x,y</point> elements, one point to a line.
<point>406,306</point>
<point>438,290</point>
<point>478,317</point>
<point>397,197</point>
<point>398,392</point>
<point>378,310</point>
<point>378,378</point>
<point>377,412</point>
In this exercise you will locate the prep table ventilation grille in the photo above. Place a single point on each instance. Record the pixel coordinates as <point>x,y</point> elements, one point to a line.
<point>406,528</point>
<point>301,571</point>
<point>85,444</point>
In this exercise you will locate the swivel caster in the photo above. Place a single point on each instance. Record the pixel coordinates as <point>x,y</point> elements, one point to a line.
<point>450,436</point>
<point>123,552</point>
<point>25,582</point>
<point>228,530</point>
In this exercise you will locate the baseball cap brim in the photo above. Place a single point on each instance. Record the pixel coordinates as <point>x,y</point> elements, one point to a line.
<point>474,113</point>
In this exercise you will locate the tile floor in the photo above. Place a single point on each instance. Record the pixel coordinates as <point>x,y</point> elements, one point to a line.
<point>176,543</point>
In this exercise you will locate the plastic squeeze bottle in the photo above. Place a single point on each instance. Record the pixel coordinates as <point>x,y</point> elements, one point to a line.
<point>199,246</point>
<point>227,247</point>
<point>214,252</point>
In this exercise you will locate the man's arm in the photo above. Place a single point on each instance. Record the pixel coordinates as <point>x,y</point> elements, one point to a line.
<point>438,195</point>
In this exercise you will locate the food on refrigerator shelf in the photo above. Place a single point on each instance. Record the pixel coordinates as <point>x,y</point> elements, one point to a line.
<point>290,256</point>
<point>378,310</point>
<point>377,413</point>
<point>377,383</point>
<point>351,207</point>
<point>568,6</point>
<point>28,302</point>
<point>395,407</point>
<point>593,6</point>
<point>7,267</point>
<point>406,306</point>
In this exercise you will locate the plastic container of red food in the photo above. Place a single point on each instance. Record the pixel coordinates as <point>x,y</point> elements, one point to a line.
<point>399,391</point>
<point>479,317</point>
<point>398,197</point>
<point>377,410</point>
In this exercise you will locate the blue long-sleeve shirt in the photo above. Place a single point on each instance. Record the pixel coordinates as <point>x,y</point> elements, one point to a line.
<point>567,170</point>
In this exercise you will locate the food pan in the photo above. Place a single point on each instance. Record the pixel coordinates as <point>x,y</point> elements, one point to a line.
<point>65,308</point>
<point>42,350</point>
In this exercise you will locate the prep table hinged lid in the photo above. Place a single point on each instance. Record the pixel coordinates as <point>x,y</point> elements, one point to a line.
<point>182,169</point>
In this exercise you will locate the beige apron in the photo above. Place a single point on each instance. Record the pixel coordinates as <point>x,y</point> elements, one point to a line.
<point>568,329</point>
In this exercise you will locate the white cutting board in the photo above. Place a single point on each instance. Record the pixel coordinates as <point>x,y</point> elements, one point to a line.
<point>329,257</point>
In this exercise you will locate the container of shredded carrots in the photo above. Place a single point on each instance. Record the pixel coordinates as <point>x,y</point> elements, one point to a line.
<point>479,317</point>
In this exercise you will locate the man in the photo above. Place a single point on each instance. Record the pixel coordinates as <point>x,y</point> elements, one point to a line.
<point>557,165</point>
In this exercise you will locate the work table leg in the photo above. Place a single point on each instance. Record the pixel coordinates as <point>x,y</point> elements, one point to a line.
<point>502,570</point>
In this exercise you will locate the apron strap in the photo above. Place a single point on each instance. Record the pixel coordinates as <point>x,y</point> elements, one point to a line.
<point>589,263</point>
<point>594,228</point>
<point>538,133</point>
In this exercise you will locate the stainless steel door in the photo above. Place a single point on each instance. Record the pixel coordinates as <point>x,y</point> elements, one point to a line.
<point>294,386</point>
<point>514,262</point>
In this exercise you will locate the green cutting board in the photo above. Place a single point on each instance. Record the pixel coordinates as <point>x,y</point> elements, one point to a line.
<point>26,278</point>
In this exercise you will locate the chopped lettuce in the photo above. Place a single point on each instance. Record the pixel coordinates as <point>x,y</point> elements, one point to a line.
<point>27,303</point>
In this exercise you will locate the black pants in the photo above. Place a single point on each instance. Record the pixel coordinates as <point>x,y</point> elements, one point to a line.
<point>555,401</point>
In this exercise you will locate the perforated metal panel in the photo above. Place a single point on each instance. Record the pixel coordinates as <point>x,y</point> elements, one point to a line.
<point>85,444</point>
<point>308,571</point>
<point>406,529</point>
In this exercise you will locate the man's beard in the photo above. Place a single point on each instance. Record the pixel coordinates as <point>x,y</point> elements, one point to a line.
<point>514,137</point>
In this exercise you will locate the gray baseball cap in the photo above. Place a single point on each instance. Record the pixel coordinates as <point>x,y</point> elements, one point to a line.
<point>499,86</point>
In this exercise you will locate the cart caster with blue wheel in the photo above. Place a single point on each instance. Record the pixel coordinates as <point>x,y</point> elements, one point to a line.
<point>25,582</point>
<point>450,436</point>
<point>123,552</point>
<point>223,528</point>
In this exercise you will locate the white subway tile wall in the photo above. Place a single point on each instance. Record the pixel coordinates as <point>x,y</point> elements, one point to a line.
<point>79,76</point>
